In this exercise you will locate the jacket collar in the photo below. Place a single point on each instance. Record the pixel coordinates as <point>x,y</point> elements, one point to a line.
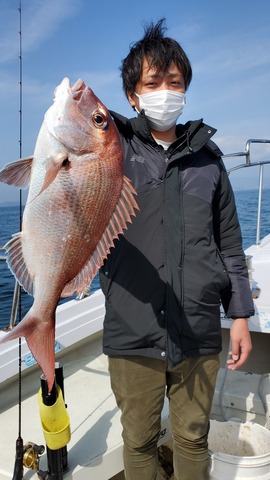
<point>191,136</point>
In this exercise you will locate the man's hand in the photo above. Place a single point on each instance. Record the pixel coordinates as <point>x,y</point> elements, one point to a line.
<point>240,343</point>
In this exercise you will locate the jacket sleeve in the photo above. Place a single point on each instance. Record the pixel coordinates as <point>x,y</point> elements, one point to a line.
<point>237,299</point>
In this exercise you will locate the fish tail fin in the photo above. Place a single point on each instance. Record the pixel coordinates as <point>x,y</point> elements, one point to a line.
<point>40,337</point>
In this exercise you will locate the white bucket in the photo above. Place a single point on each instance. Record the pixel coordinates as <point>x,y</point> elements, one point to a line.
<point>239,451</point>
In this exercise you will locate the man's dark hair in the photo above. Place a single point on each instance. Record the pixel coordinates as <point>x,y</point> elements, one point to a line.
<point>160,52</point>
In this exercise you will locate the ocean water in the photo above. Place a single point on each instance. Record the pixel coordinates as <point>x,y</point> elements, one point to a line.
<point>246,201</point>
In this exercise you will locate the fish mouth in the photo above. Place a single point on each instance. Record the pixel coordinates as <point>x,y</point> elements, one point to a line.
<point>65,88</point>
<point>77,89</point>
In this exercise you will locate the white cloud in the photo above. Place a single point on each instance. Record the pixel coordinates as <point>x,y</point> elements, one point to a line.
<point>98,80</point>
<point>232,55</point>
<point>40,20</point>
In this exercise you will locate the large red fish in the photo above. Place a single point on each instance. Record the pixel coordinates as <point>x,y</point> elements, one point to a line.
<point>78,203</point>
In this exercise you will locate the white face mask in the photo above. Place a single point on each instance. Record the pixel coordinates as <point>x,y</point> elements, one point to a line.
<point>162,108</point>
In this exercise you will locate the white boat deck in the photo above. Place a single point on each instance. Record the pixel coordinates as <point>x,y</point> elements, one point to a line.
<point>260,261</point>
<point>95,449</point>
<point>94,416</point>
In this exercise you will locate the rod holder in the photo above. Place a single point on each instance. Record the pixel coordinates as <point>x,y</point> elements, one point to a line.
<point>56,458</point>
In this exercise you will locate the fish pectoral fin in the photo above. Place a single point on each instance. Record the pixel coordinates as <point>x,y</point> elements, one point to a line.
<point>53,166</point>
<point>124,209</point>
<point>17,173</point>
<point>40,337</point>
<point>17,264</point>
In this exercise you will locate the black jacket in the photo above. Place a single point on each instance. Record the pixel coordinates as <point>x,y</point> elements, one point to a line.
<point>181,256</point>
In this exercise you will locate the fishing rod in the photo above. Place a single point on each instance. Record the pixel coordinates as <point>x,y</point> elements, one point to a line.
<point>18,466</point>
<point>28,455</point>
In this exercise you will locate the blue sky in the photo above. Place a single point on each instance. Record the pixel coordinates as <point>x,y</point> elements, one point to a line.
<point>227,41</point>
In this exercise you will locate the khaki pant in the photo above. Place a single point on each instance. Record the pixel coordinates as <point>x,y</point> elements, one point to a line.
<point>139,385</point>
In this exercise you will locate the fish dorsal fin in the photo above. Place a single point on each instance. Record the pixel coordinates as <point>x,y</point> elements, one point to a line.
<point>17,264</point>
<point>122,214</point>
<point>17,173</point>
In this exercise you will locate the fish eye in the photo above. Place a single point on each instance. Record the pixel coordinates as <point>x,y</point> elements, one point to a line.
<point>99,120</point>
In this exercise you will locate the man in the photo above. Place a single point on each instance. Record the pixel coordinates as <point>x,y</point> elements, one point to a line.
<point>164,280</point>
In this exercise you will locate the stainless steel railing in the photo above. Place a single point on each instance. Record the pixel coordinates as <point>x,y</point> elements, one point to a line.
<point>248,163</point>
